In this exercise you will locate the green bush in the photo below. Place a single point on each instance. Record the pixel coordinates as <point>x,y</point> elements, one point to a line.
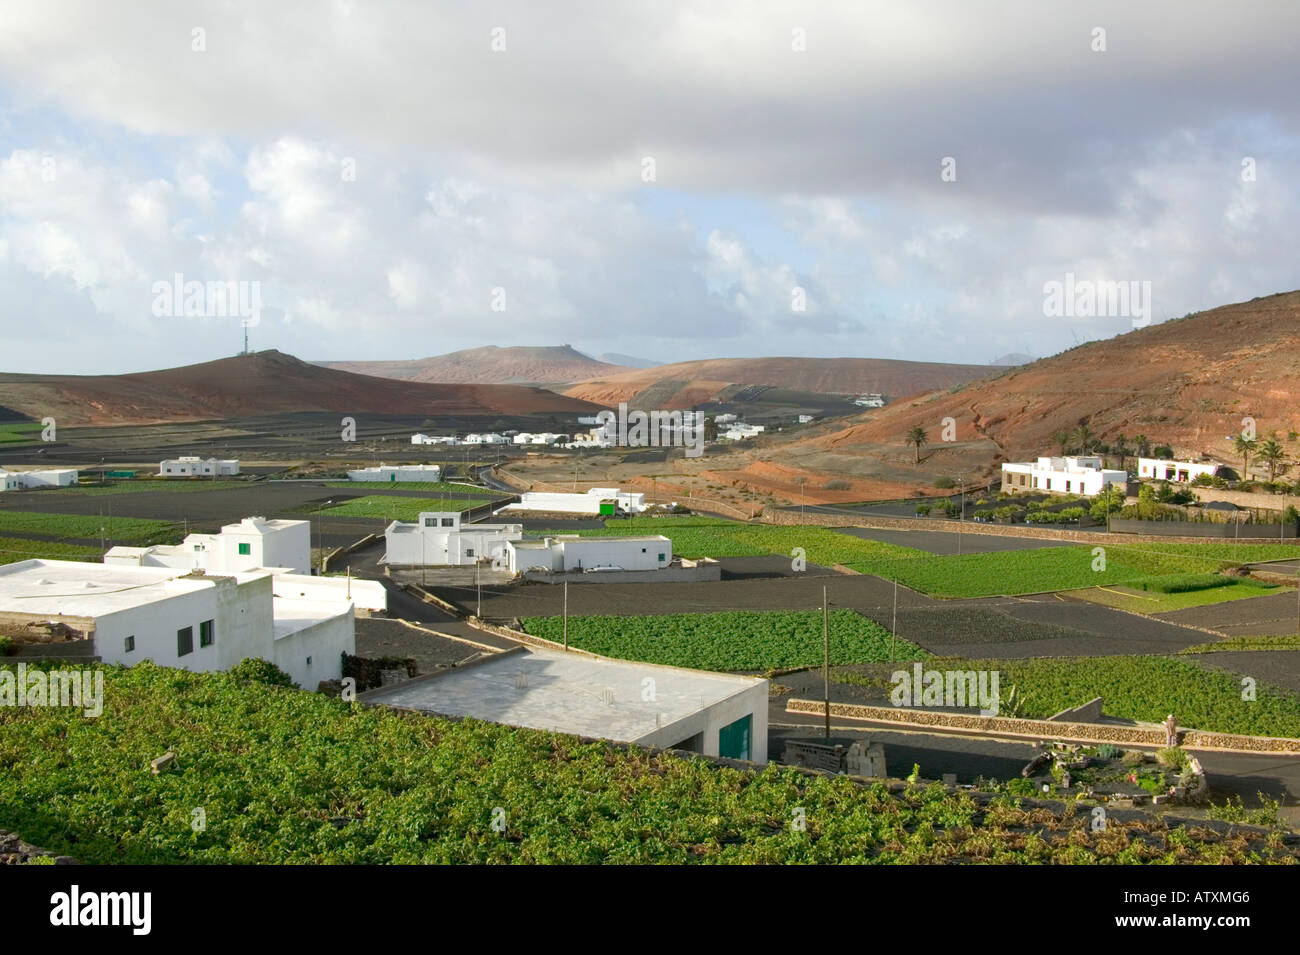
<point>1183,583</point>
<point>945,482</point>
<point>923,510</point>
<point>257,670</point>
<point>1173,758</point>
<point>7,647</point>
<point>1108,751</point>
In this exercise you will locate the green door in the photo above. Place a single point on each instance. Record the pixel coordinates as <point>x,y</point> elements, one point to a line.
<point>733,739</point>
<point>607,509</point>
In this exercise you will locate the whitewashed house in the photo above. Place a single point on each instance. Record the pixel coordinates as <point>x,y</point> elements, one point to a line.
<point>598,500</point>
<point>194,466</point>
<point>25,480</point>
<point>487,438</point>
<point>1178,471</point>
<point>439,539</point>
<point>1082,474</point>
<point>568,553</point>
<point>192,620</point>
<point>253,542</point>
<point>433,439</point>
<point>396,473</point>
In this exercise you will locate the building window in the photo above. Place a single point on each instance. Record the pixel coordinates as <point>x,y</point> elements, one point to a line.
<point>448,522</point>
<point>1067,485</point>
<point>643,550</point>
<point>430,522</point>
<point>245,550</point>
<point>184,641</point>
<point>206,633</point>
<point>309,661</point>
<point>469,551</point>
<point>661,558</point>
<point>130,643</point>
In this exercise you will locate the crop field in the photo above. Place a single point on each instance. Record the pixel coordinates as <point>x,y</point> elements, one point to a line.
<point>290,777</point>
<point>1235,644</point>
<point>121,530</point>
<point>14,432</point>
<point>139,486</point>
<point>441,487</point>
<point>14,549</point>
<point>741,640</point>
<point>1233,588</point>
<point>394,508</point>
<point>1146,688</point>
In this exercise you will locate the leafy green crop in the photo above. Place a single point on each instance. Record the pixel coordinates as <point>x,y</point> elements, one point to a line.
<point>117,529</point>
<point>748,640</point>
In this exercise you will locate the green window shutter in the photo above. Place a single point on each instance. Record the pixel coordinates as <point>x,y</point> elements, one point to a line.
<point>733,739</point>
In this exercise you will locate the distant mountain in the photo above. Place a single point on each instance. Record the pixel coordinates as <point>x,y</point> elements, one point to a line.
<point>629,361</point>
<point>689,383</point>
<point>268,382</point>
<point>491,364</point>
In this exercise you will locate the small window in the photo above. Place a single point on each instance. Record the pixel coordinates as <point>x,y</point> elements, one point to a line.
<point>309,661</point>
<point>184,641</point>
<point>197,548</point>
<point>245,550</point>
<point>643,550</point>
<point>448,522</point>
<point>206,633</point>
<point>469,551</point>
<point>130,643</point>
<point>430,522</point>
<point>661,558</point>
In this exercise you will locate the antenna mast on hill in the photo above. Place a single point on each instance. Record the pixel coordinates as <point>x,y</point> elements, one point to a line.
<point>245,351</point>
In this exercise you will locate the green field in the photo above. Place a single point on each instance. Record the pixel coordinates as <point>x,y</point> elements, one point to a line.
<point>395,508</point>
<point>119,530</point>
<point>284,776</point>
<point>141,486</point>
<point>1144,688</point>
<point>13,432</point>
<point>14,549</point>
<point>1136,601</point>
<point>442,487</point>
<point>1283,642</point>
<point>743,640</point>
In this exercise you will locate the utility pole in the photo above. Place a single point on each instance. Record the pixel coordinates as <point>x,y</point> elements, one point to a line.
<point>826,661</point>
<point>478,586</point>
<point>566,615</point>
<point>893,626</point>
<point>961,512</point>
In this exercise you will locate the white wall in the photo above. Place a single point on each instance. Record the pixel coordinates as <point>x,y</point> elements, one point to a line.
<point>324,643</point>
<point>749,701</point>
<point>1175,470</point>
<point>366,594</point>
<point>587,552</point>
<point>420,544</point>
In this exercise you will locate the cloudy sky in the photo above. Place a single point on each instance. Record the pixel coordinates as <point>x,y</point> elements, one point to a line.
<point>669,180</point>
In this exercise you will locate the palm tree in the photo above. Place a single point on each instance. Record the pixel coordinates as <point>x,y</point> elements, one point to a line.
<point>1120,447</point>
<point>1244,446</point>
<point>1143,445</point>
<point>918,437</point>
<point>1063,439</point>
<point>1271,453</point>
<point>1085,438</point>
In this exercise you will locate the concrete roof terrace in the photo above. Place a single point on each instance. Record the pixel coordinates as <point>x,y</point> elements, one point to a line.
<point>565,692</point>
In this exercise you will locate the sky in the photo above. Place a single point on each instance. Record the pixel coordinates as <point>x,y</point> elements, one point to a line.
<point>665,180</point>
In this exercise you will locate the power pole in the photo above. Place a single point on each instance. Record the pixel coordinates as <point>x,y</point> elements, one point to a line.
<point>826,661</point>
<point>566,615</point>
<point>478,586</point>
<point>893,626</point>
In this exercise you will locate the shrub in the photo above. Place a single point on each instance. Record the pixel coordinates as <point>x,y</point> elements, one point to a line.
<point>1069,514</point>
<point>257,670</point>
<point>1108,751</point>
<point>836,486</point>
<point>923,510</point>
<point>1183,583</point>
<point>1173,758</point>
<point>1202,480</point>
<point>944,482</point>
<point>7,647</point>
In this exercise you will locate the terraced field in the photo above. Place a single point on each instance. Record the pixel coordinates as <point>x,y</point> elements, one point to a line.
<point>395,508</point>
<point>120,530</point>
<point>14,549</point>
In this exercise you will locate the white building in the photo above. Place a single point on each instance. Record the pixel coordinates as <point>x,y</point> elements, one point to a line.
<point>741,431</point>
<point>1179,471</point>
<point>544,437</point>
<point>253,542</point>
<point>192,621</point>
<point>489,438</point>
<point>870,401</point>
<point>1069,475</point>
<point>439,539</point>
<point>23,480</point>
<point>597,500</point>
<point>715,714</point>
<point>194,466</point>
<point>595,438</point>
<point>393,473</point>
<point>571,553</point>
<point>433,439</point>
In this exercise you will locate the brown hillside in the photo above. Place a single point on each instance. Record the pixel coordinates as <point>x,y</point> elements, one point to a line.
<point>267,382</point>
<point>1187,383</point>
<point>687,383</point>
<point>490,364</point>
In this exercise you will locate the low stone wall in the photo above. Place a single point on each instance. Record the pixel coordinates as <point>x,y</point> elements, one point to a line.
<point>1047,729</point>
<point>431,599</point>
<point>1266,501</point>
<point>1090,712</point>
<point>793,518</point>
<point>527,638</point>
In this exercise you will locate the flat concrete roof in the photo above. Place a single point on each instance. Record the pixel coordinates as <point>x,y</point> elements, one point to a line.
<point>567,693</point>
<point>291,614</point>
<point>78,589</point>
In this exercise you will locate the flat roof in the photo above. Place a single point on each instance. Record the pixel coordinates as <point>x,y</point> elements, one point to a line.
<point>83,589</point>
<point>567,693</point>
<point>291,614</point>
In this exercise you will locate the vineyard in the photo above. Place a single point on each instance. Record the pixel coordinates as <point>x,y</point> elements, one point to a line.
<point>14,549</point>
<point>441,487</point>
<point>732,641</point>
<point>289,777</point>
